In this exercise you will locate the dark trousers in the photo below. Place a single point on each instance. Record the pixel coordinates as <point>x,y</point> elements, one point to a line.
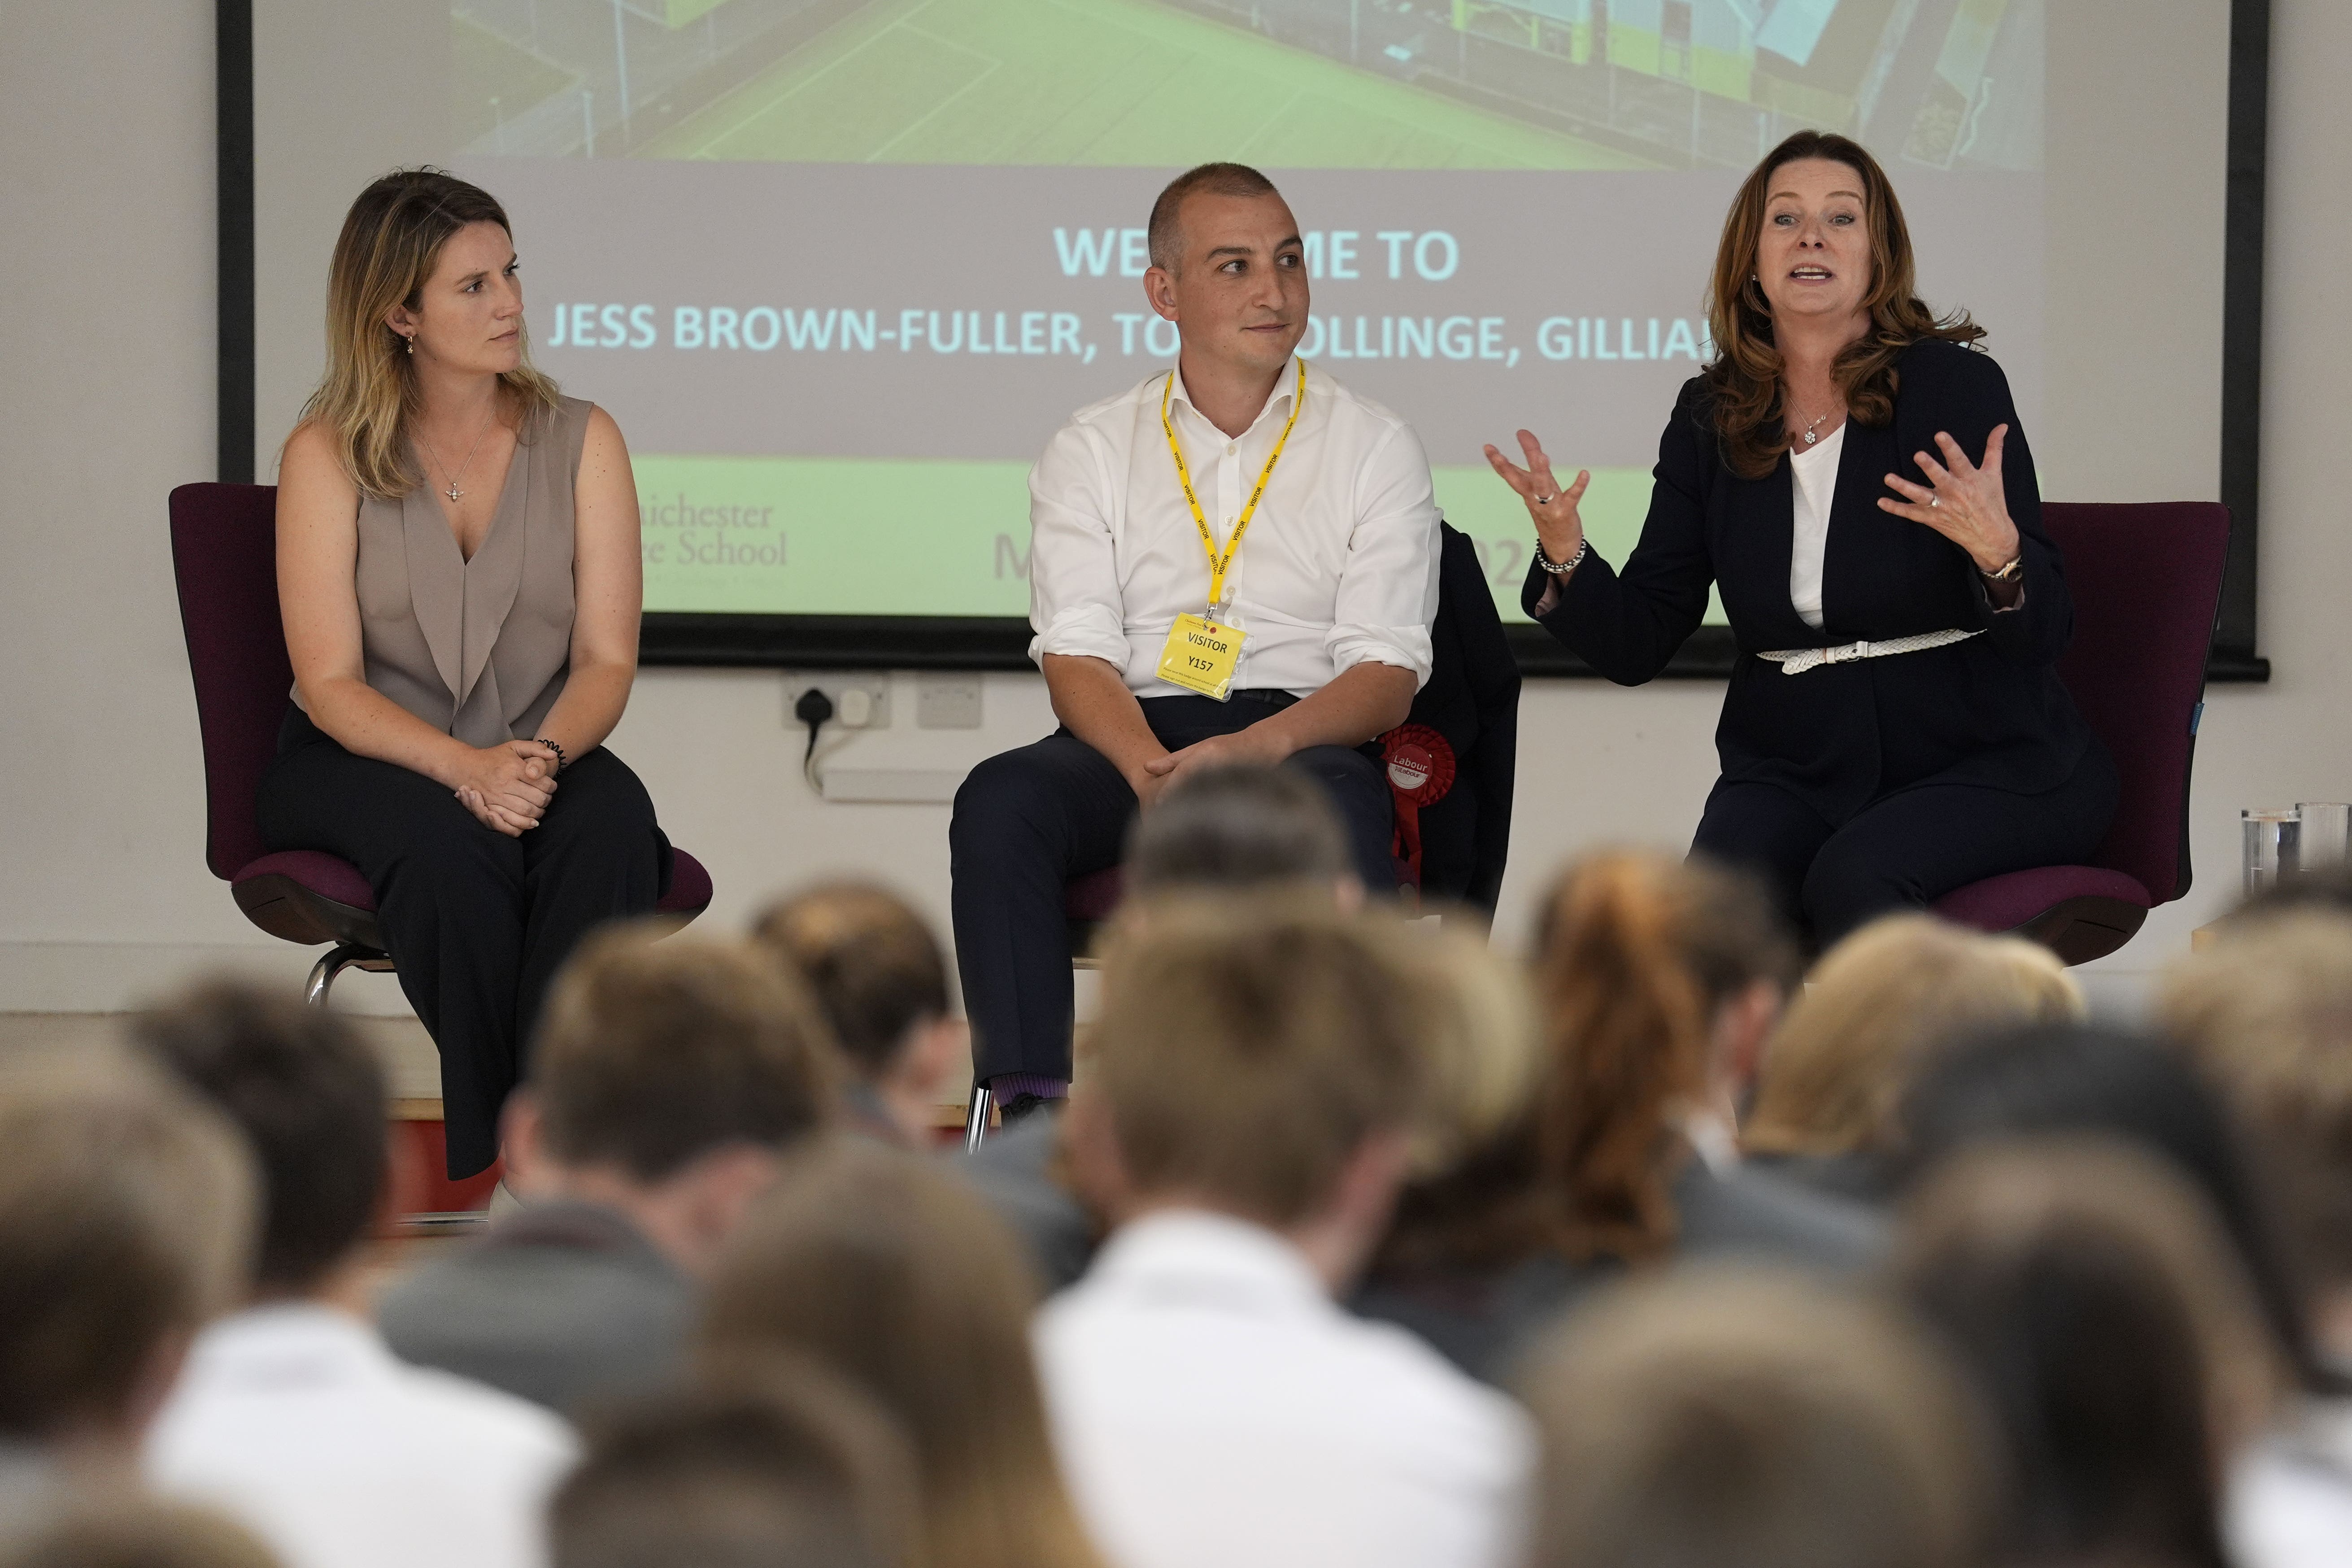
<point>477,922</point>
<point>1028,821</point>
<point>1905,849</point>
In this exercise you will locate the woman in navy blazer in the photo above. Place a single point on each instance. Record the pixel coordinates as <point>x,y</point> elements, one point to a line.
<point>1857,778</point>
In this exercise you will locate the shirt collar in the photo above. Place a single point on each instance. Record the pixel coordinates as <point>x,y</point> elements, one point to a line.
<point>1189,1248</point>
<point>1277,405</point>
<point>287,1340</point>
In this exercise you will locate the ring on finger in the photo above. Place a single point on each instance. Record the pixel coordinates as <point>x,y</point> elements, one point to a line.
<point>1546,500</point>
<point>1935,500</point>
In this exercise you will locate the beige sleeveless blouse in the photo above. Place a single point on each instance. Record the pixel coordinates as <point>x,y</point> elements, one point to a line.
<point>478,648</point>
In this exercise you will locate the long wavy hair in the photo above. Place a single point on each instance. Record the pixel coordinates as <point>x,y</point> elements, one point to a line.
<point>1745,377</point>
<point>391,240</point>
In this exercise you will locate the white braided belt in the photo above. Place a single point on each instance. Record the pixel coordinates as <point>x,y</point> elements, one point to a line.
<point>1796,660</point>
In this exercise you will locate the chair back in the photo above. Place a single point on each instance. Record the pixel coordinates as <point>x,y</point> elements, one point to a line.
<point>225,555</point>
<point>2146,585</point>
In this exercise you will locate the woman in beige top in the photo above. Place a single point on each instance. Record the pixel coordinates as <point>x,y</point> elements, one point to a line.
<point>458,569</point>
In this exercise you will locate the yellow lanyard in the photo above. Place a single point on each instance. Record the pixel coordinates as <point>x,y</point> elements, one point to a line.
<point>1220,564</point>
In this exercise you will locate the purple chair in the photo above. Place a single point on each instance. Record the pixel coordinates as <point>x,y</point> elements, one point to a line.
<point>224,553</point>
<point>2147,582</point>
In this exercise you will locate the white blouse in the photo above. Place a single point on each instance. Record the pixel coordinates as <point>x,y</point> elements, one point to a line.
<point>1815,468</point>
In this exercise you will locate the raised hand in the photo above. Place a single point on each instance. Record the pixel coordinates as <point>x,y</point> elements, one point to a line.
<point>1549,504</point>
<point>1963,502</point>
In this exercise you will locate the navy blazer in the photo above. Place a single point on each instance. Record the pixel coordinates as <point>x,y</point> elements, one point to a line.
<point>1987,712</point>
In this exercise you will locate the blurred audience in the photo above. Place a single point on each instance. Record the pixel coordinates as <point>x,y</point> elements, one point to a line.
<point>291,1415</point>
<point>1244,830</point>
<point>2267,1010</point>
<point>127,1214</point>
<point>2091,1294</point>
<point>1656,983</point>
<point>1256,1080</point>
<point>124,1530</point>
<point>763,1464</point>
<point>889,1272</point>
<point>1737,1419</point>
<point>2096,1081</point>
<point>669,1080</point>
<point>878,971</point>
<point>1874,1007</point>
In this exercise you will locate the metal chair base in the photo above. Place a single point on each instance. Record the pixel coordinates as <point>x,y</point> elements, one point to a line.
<point>342,956</point>
<point>975,1121</point>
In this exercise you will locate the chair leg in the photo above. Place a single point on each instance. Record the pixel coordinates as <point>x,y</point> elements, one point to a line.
<point>341,956</point>
<point>975,1121</point>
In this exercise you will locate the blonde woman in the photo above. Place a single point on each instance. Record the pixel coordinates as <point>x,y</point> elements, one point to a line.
<point>884,1270</point>
<point>1874,1006</point>
<point>458,568</point>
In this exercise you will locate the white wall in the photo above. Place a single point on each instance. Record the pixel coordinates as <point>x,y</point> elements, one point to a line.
<point>106,402</point>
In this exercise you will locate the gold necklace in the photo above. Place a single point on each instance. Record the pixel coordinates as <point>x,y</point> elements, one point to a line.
<point>453,492</point>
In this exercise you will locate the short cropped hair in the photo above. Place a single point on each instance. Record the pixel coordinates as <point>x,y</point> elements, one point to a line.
<point>120,1529</point>
<point>1247,1050</point>
<point>1722,1416</point>
<point>654,1055</point>
<point>1167,235</point>
<point>1241,826</point>
<point>308,1095</point>
<point>2267,1012</point>
<point>126,1219</point>
<point>768,1464</point>
<point>874,964</point>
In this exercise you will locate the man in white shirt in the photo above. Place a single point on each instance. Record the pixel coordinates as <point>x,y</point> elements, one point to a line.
<point>1255,1076</point>
<point>1244,489</point>
<point>290,1415</point>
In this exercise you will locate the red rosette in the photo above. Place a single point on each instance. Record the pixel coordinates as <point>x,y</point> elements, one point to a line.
<point>1421,768</point>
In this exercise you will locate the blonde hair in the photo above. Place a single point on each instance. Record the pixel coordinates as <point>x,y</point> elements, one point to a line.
<point>1876,1005</point>
<point>390,241</point>
<point>1727,1415</point>
<point>1245,1051</point>
<point>2267,1011</point>
<point>892,1274</point>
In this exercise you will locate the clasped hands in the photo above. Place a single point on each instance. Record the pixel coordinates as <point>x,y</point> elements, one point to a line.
<point>1963,502</point>
<point>508,786</point>
<point>1255,744</point>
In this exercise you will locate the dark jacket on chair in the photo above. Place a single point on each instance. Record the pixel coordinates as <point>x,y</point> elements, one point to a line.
<point>1987,712</point>
<point>1471,698</point>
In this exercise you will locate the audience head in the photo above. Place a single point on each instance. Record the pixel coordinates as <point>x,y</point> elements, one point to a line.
<point>668,1078</point>
<point>1752,1421</point>
<point>421,276</point>
<point>2058,1079</point>
<point>1874,1006</point>
<point>309,1096</point>
<point>126,1221</point>
<point>2102,1315</point>
<point>1636,956</point>
<point>1269,1060</point>
<point>2267,1012</point>
<point>888,1271</point>
<point>124,1529</point>
<point>771,1463</point>
<point>1240,828</point>
<point>878,972</point>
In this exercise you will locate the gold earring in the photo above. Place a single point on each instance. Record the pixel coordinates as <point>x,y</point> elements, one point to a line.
<point>412,344</point>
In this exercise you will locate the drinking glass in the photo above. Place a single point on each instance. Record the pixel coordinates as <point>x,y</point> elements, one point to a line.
<point>2271,838</point>
<point>2323,835</point>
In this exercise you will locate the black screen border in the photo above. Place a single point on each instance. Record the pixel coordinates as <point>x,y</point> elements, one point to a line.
<point>1002,642</point>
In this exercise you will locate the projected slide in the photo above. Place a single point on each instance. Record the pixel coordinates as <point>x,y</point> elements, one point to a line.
<point>840,267</point>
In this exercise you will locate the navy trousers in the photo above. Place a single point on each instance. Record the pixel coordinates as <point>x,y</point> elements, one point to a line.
<point>1028,821</point>
<point>477,922</point>
<point>1906,848</point>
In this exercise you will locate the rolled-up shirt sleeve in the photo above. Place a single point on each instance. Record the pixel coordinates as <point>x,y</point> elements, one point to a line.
<point>1075,603</point>
<point>1387,589</point>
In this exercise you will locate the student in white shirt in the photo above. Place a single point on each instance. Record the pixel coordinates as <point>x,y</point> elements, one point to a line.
<point>1318,504</point>
<point>291,1415</point>
<point>1255,1078</point>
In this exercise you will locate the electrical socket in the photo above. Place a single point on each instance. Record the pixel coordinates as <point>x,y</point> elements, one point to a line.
<point>849,694</point>
<point>947,703</point>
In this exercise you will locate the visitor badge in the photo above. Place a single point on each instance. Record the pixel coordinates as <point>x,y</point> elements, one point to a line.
<point>1201,655</point>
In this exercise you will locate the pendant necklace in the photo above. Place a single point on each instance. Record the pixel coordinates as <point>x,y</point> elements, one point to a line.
<point>1806,435</point>
<point>453,492</point>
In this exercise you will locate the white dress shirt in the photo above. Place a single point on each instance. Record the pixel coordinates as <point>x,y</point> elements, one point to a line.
<point>1211,1404</point>
<point>1815,486</point>
<point>2290,1501</point>
<point>296,1421</point>
<point>1339,568</point>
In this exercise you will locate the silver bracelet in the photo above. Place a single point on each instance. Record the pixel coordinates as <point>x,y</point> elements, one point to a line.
<point>1583,548</point>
